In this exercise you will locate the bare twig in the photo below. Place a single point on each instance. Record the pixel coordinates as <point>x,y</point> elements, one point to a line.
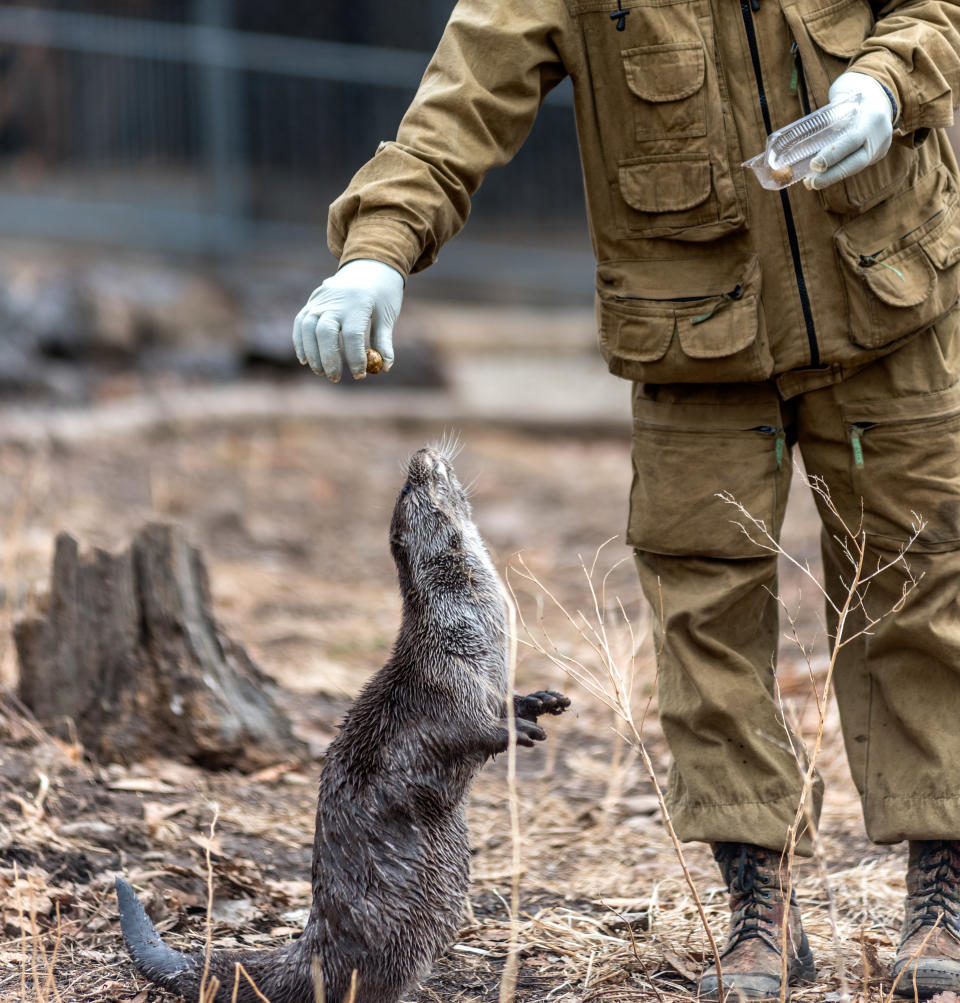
<point>508,982</point>
<point>636,954</point>
<point>240,970</point>
<point>853,544</point>
<point>206,996</point>
<point>612,686</point>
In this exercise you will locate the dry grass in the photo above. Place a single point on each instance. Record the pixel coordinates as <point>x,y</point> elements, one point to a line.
<point>853,621</point>
<point>586,895</point>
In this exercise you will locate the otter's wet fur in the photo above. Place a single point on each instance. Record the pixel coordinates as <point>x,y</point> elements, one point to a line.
<point>390,856</point>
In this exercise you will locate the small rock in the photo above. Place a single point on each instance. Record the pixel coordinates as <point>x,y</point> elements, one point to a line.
<point>296,917</point>
<point>286,931</point>
<point>233,912</point>
<point>100,833</point>
<point>640,804</point>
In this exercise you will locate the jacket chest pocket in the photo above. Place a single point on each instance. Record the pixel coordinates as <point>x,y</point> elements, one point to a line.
<point>828,36</point>
<point>668,82</point>
<point>668,149</point>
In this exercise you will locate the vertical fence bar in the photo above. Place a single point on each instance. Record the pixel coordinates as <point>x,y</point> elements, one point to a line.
<point>223,133</point>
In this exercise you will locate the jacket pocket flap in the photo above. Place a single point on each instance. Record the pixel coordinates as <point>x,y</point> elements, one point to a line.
<point>725,327</point>
<point>641,336</point>
<point>665,72</point>
<point>903,279</point>
<point>942,243</point>
<point>841,28</point>
<point>666,184</point>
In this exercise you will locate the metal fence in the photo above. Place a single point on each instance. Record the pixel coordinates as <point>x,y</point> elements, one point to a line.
<point>229,125</point>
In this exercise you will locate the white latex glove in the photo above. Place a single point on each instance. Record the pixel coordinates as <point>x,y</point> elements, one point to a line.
<point>865,140</point>
<point>364,295</point>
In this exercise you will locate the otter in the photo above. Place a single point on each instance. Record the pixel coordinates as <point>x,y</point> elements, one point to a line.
<point>390,867</point>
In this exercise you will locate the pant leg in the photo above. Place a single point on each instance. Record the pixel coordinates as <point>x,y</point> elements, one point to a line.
<point>734,775</point>
<point>890,436</point>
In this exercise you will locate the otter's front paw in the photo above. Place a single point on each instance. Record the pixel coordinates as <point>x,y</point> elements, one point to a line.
<point>528,732</point>
<point>530,707</point>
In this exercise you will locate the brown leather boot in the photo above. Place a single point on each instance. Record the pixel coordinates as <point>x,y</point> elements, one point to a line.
<point>751,961</point>
<point>929,957</point>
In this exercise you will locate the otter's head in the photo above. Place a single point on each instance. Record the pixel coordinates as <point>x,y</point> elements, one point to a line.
<point>436,547</point>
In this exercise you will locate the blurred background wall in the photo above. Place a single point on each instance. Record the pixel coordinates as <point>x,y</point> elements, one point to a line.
<point>226,127</point>
<point>165,172</point>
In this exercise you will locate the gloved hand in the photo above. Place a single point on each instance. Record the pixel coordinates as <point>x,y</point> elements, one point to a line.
<point>363,295</point>
<point>865,140</point>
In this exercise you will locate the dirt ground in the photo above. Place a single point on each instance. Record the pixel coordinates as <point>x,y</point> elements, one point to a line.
<point>292,517</point>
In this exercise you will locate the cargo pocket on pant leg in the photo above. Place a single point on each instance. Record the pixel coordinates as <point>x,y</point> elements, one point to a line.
<point>684,455</point>
<point>905,455</point>
<point>683,321</point>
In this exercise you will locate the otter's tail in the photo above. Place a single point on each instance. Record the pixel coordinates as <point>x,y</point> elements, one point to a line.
<point>183,973</point>
<point>159,963</point>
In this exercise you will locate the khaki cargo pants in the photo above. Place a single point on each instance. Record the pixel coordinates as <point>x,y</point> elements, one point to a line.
<point>889,435</point>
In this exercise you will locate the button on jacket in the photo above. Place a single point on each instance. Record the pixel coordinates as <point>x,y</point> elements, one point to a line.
<point>702,275</point>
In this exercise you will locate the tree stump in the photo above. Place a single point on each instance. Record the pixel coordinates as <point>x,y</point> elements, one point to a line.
<point>129,651</point>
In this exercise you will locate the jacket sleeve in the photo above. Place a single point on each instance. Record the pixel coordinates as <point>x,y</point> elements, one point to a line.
<point>914,51</point>
<point>496,62</point>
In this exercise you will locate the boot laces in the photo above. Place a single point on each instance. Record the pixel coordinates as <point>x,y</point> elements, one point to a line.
<point>938,886</point>
<point>751,883</point>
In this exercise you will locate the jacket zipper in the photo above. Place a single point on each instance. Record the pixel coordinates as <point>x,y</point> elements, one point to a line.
<point>651,299</point>
<point>798,81</point>
<point>745,10</point>
<point>734,294</point>
<point>856,432</point>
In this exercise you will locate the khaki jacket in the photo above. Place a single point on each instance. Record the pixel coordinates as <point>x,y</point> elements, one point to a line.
<point>702,275</point>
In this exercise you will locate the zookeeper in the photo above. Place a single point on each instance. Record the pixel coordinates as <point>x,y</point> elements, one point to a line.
<point>747,321</point>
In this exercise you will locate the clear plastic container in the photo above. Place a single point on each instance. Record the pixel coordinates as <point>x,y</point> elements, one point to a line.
<point>789,150</point>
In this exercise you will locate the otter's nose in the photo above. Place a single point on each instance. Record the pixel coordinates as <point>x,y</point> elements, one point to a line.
<point>437,467</point>
<point>424,465</point>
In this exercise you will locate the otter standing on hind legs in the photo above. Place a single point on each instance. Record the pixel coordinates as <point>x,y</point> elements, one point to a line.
<point>390,856</point>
